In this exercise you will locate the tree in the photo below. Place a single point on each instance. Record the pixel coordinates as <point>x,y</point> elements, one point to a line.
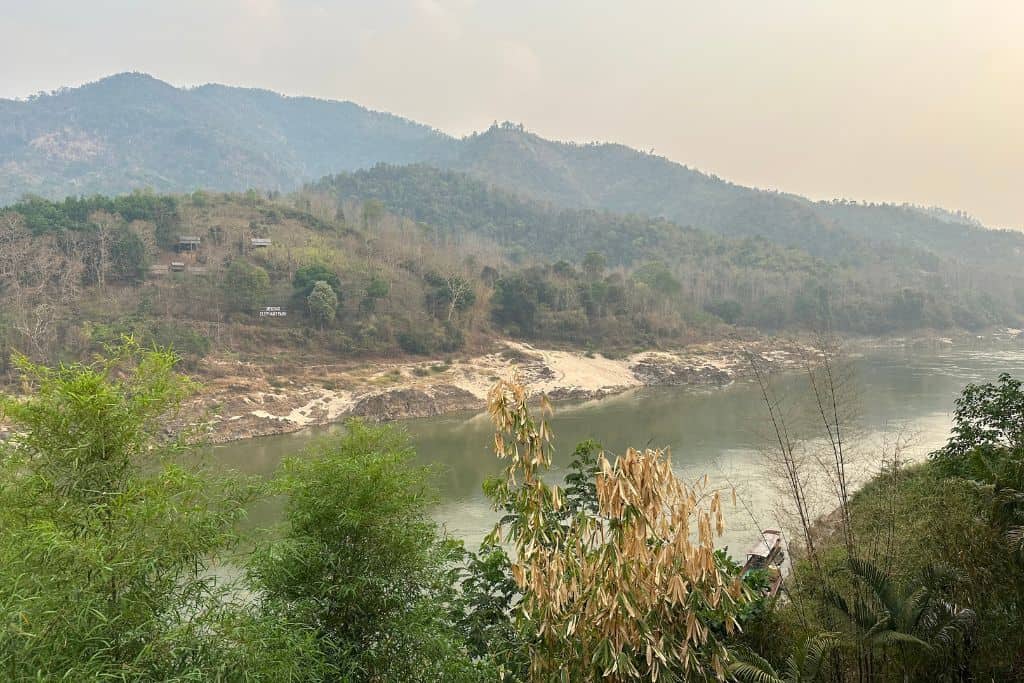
<point>629,593</point>
<point>128,255</point>
<point>449,293</point>
<point>804,665</point>
<point>657,276</point>
<point>360,561</point>
<point>908,630</point>
<point>307,276</point>
<point>103,225</point>
<point>107,545</point>
<point>377,289</point>
<point>323,303</point>
<point>987,416</point>
<point>515,303</point>
<point>485,612</point>
<point>373,212</point>
<point>39,278</point>
<point>245,286</point>
<point>15,240</point>
<point>999,476</point>
<point>908,307</point>
<point>728,310</point>
<point>594,264</point>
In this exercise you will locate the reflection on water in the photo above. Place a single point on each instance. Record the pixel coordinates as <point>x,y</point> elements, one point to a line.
<point>715,432</point>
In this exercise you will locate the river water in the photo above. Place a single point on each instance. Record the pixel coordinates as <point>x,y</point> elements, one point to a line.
<point>900,395</point>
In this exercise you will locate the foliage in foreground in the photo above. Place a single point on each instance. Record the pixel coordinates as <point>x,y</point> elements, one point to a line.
<point>361,564</point>
<point>935,589</point>
<point>112,558</point>
<point>106,568</point>
<point>635,589</point>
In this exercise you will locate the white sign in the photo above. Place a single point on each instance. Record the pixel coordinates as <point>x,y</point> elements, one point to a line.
<point>273,312</point>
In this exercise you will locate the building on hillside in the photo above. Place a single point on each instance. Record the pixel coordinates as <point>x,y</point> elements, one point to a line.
<point>188,243</point>
<point>177,267</point>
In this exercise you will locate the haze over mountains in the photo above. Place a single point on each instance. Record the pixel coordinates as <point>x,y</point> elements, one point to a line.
<point>131,131</point>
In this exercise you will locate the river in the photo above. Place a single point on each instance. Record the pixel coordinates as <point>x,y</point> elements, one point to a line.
<point>900,393</point>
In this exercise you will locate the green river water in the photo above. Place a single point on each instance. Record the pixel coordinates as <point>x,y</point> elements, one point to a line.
<point>717,432</point>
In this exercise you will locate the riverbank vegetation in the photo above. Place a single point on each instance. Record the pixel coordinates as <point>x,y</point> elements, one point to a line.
<point>417,261</point>
<point>121,563</point>
<point>918,575</point>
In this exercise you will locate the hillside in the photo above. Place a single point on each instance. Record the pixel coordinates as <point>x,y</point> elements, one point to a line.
<point>617,178</point>
<point>133,131</point>
<point>415,260</point>
<point>78,273</point>
<point>863,289</point>
<point>458,203</point>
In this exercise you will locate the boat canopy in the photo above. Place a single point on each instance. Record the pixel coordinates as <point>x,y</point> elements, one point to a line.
<point>769,539</point>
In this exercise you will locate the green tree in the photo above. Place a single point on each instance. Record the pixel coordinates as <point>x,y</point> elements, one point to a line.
<point>377,289</point>
<point>805,664</point>
<point>987,416</point>
<point>514,304</point>
<point>307,276</point>
<point>245,286</point>
<point>322,303</point>
<point>373,212</point>
<point>594,264</point>
<point>727,309</point>
<point>128,255</point>
<point>448,294</point>
<point>107,544</point>
<point>911,631</point>
<point>908,307</point>
<point>658,277</point>
<point>360,561</point>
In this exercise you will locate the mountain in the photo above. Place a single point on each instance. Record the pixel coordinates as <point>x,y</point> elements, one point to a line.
<point>131,130</point>
<point>866,287</point>
<point>618,178</point>
<point>456,204</point>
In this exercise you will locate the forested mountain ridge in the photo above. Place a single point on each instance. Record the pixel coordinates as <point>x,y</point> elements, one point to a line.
<point>618,178</point>
<point>458,203</point>
<point>131,131</point>
<point>866,287</point>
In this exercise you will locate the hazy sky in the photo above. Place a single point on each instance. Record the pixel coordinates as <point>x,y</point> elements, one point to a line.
<point>901,100</point>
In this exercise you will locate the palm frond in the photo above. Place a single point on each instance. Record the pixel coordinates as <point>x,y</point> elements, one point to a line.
<point>816,650</point>
<point>880,583</point>
<point>890,637</point>
<point>750,673</point>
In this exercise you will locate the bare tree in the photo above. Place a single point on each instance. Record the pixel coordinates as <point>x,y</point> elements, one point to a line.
<point>14,244</point>
<point>831,389</point>
<point>459,292</point>
<point>39,280</point>
<point>104,223</point>
<point>787,459</point>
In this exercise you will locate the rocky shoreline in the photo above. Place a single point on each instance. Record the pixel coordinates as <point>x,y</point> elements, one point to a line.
<point>241,401</point>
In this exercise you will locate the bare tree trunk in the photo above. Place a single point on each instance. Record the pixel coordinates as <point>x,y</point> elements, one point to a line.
<point>790,465</point>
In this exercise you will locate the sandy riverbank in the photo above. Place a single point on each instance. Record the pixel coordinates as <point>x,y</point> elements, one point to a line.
<point>241,400</point>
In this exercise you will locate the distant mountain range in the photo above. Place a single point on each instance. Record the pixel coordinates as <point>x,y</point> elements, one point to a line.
<point>131,130</point>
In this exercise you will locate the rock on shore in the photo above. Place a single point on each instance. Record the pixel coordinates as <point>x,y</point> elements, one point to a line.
<point>244,402</point>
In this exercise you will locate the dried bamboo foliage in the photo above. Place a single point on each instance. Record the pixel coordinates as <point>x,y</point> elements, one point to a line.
<point>631,593</point>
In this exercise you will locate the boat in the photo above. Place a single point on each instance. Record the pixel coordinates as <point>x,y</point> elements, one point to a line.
<point>768,554</point>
